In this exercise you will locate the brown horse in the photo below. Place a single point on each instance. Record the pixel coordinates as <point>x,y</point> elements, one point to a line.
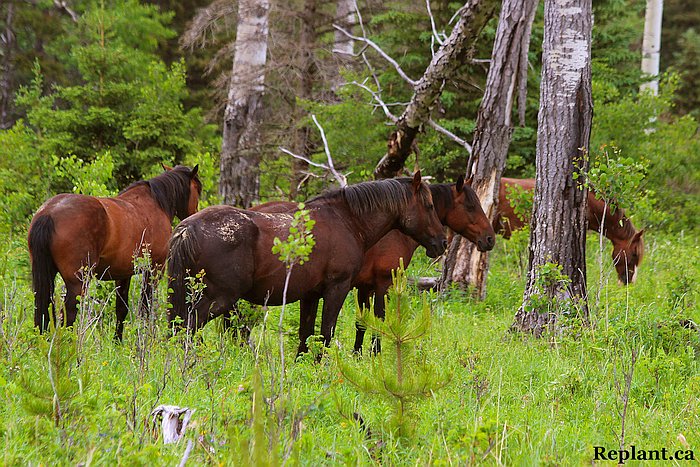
<point>458,208</point>
<point>233,248</point>
<point>628,245</point>
<point>72,232</point>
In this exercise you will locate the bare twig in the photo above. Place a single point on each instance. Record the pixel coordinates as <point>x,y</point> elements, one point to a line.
<point>436,35</point>
<point>63,6</point>
<point>381,52</point>
<point>435,126</point>
<point>338,176</point>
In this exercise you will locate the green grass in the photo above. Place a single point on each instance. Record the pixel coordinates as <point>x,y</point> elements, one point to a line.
<point>512,399</point>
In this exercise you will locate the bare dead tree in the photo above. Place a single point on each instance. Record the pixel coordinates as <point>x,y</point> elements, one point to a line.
<point>465,264</point>
<point>454,50</point>
<point>472,17</point>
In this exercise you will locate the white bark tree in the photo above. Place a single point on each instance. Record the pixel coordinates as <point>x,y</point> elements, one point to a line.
<point>241,148</point>
<point>506,81</point>
<point>651,45</point>
<point>558,223</point>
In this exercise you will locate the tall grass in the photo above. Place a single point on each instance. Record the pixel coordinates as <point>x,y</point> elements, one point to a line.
<point>512,399</point>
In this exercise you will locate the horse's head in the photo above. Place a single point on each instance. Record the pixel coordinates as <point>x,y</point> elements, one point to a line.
<point>420,220</point>
<point>467,218</point>
<point>627,256</point>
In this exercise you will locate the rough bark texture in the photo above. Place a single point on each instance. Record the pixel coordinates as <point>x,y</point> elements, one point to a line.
<point>309,72</point>
<point>651,45</point>
<point>451,54</point>
<point>7,44</point>
<point>240,151</point>
<point>558,224</point>
<point>465,265</point>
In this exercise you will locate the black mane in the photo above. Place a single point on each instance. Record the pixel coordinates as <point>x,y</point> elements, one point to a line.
<point>387,195</point>
<point>171,190</point>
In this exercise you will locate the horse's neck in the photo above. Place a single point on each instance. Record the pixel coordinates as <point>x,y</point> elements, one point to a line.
<point>140,197</point>
<point>368,228</point>
<point>615,225</point>
<point>442,200</point>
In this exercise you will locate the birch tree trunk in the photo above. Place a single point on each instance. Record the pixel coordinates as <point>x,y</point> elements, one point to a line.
<point>241,148</point>
<point>465,264</point>
<point>558,223</point>
<point>651,45</point>
<point>449,56</point>
<point>7,45</point>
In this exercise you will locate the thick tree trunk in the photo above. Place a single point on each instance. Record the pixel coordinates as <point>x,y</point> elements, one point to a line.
<point>241,148</point>
<point>651,44</point>
<point>7,44</point>
<point>558,224</point>
<point>451,55</point>
<point>309,71</point>
<point>465,264</point>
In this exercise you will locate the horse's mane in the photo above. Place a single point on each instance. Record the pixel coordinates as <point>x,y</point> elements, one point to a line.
<point>387,195</point>
<point>171,190</point>
<point>442,195</point>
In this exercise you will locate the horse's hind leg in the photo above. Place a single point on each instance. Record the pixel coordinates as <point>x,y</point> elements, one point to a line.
<point>122,307</point>
<point>74,288</point>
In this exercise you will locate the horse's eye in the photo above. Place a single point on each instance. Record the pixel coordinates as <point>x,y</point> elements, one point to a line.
<point>429,206</point>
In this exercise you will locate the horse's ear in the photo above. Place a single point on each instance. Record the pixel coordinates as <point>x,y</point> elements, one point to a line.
<point>469,181</point>
<point>638,235</point>
<point>459,185</point>
<point>416,181</point>
<point>193,172</point>
<point>166,167</point>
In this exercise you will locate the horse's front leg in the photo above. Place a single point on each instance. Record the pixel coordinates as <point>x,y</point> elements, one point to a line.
<point>382,287</point>
<point>122,307</point>
<point>308,308</point>
<point>333,299</point>
<point>364,294</point>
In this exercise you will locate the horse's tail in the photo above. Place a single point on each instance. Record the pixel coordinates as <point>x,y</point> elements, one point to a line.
<point>43,268</point>
<point>184,251</point>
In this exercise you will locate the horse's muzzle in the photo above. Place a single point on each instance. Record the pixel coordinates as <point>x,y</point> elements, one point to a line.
<point>486,243</point>
<point>437,247</point>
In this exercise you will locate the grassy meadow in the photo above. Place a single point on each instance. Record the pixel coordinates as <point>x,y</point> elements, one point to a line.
<point>75,397</point>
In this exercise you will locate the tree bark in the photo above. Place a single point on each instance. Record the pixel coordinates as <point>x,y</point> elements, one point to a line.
<point>651,45</point>
<point>465,265</point>
<point>7,42</point>
<point>558,223</point>
<point>473,16</point>
<point>309,71</point>
<point>241,147</point>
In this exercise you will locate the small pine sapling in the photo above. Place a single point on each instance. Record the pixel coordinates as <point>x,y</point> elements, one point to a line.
<point>401,373</point>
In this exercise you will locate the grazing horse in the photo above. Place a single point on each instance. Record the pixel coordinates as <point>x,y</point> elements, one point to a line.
<point>628,245</point>
<point>233,248</point>
<point>458,208</point>
<point>72,232</point>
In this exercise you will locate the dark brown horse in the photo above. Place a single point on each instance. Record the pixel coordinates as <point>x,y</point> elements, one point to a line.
<point>71,233</point>
<point>628,245</point>
<point>233,248</point>
<point>458,208</point>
